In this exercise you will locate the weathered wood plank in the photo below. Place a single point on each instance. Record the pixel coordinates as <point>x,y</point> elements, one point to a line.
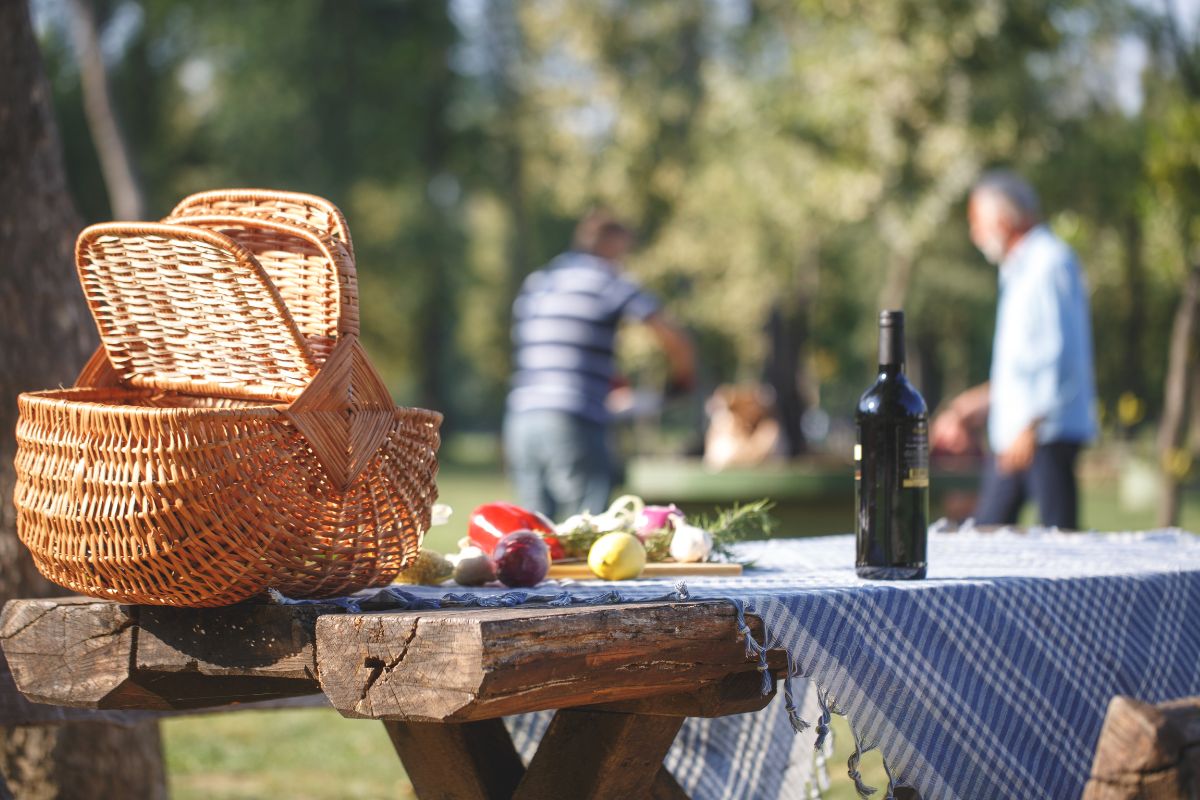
<point>458,761</point>
<point>597,755</point>
<point>1146,751</point>
<point>474,664</point>
<point>96,654</point>
<point>1136,737</point>
<point>739,693</point>
<point>65,653</point>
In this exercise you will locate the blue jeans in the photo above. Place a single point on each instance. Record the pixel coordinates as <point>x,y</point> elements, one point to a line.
<point>1050,481</point>
<point>558,462</point>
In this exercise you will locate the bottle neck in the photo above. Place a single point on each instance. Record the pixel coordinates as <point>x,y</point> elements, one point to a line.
<point>891,349</point>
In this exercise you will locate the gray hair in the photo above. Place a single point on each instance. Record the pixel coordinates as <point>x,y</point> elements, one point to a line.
<point>1017,197</point>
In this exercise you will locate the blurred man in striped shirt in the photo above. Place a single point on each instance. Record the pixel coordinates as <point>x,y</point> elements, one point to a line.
<point>564,330</point>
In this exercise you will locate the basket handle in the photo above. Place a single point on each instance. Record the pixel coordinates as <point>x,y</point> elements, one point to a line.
<point>313,272</point>
<point>189,310</point>
<point>308,209</point>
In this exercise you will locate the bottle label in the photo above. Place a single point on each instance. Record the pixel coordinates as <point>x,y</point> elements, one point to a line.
<point>914,454</point>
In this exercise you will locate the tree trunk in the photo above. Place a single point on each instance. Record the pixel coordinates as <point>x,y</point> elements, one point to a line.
<point>507,45</point>
<point>1172,434</point>
<point>787,332</point>
<point>45,337</point>
<point>1135,317</point>
<point>124,192</point>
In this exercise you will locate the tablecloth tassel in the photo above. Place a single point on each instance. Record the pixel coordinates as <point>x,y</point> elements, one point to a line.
<point>852,769</point>
<point>753,648</point>
<point>789,703</point>
<point>823,720</point>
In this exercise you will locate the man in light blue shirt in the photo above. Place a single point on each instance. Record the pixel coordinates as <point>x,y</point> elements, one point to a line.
<point>1040,400</point>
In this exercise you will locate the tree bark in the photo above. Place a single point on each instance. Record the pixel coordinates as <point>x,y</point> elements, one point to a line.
<point>1135,317</point>
<point>1172,434</point>
<point>120,177</point>
<point>45,337</point>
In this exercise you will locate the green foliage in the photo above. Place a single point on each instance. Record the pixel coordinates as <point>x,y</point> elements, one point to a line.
<point>738,523</point>
<point>805,158</point>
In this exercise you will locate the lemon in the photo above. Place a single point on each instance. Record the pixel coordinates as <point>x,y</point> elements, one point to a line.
<point>617,556</point>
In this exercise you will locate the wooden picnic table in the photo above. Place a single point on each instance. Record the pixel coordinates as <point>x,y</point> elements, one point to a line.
<point>621,678</point>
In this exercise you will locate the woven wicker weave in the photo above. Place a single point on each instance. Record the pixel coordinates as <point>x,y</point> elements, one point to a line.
<point>231,434</point>
<point>295,207</point>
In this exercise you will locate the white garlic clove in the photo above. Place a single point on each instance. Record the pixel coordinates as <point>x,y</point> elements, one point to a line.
<point>690,544</point>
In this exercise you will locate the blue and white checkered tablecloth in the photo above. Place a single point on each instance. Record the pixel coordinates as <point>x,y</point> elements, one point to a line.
<point>990,679</point>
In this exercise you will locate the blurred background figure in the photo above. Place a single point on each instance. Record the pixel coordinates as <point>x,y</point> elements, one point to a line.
<point>742,428</point>
<point>1039,401</point>
<point>564,330</point>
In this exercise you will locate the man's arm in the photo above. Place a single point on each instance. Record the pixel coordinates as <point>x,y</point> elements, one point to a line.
<point>952,428</point>
<point>681,355</point>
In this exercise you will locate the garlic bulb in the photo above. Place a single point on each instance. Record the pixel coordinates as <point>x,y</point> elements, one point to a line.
<point>690,543</point>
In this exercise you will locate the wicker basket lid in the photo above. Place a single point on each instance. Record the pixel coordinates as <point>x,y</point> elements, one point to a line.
<point>189,310</point>
<point>293,207</point>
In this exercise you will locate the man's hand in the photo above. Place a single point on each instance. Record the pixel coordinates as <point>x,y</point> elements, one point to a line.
<point>951,430</point>
<point>1019,456</point>
<point>950,433</point>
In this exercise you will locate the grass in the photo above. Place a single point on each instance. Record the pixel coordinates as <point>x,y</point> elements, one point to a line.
<point>317,755</point>
<point>304,754</point>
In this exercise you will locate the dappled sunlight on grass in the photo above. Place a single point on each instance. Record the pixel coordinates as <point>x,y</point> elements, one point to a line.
<point>303,754</point>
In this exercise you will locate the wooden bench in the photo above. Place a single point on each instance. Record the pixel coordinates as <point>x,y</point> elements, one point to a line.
<point>621,679</point>
<point>1149,752</point>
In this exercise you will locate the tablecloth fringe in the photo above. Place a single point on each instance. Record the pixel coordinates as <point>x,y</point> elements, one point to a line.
<point>758,650</point>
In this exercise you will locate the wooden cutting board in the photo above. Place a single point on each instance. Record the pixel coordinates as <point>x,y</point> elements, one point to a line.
<point>579,570</point>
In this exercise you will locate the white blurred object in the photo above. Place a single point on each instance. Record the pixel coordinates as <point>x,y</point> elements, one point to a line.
<point>440,514</point>
<point>690,544</point>
<point>1138,486</point>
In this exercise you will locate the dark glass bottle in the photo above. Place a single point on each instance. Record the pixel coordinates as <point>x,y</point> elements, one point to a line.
<point>891,478</point>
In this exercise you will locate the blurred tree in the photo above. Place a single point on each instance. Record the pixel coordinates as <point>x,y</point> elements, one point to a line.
<point>803,162</point>
<point>1174,172</point>
<point>46,337</point>
<point>124,190</point>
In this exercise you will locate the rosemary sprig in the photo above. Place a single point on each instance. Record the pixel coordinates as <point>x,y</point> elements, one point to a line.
<point>737,523</point>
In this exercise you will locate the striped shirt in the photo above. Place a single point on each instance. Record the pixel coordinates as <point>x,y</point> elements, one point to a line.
<point>564,326</point>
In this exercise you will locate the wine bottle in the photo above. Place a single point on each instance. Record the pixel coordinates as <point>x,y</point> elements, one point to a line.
<point>891,478</point>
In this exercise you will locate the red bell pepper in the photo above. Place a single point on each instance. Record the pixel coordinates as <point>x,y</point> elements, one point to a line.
<point>491,522</point>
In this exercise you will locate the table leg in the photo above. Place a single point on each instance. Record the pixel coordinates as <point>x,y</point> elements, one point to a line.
<point>666,787</point>
<point>457,761</point>
<point>600,755</point>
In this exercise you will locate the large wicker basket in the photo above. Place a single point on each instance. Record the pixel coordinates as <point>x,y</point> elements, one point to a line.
<point>230,435</point>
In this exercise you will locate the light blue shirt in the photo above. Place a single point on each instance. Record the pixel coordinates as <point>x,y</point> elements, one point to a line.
<point>1042,352</point>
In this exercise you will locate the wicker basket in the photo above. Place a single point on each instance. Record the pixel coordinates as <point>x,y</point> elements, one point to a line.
<point>230,435</point>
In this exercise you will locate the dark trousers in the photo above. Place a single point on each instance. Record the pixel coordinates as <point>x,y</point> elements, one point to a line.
<point>1049,481</point>
<point>559,463</point>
